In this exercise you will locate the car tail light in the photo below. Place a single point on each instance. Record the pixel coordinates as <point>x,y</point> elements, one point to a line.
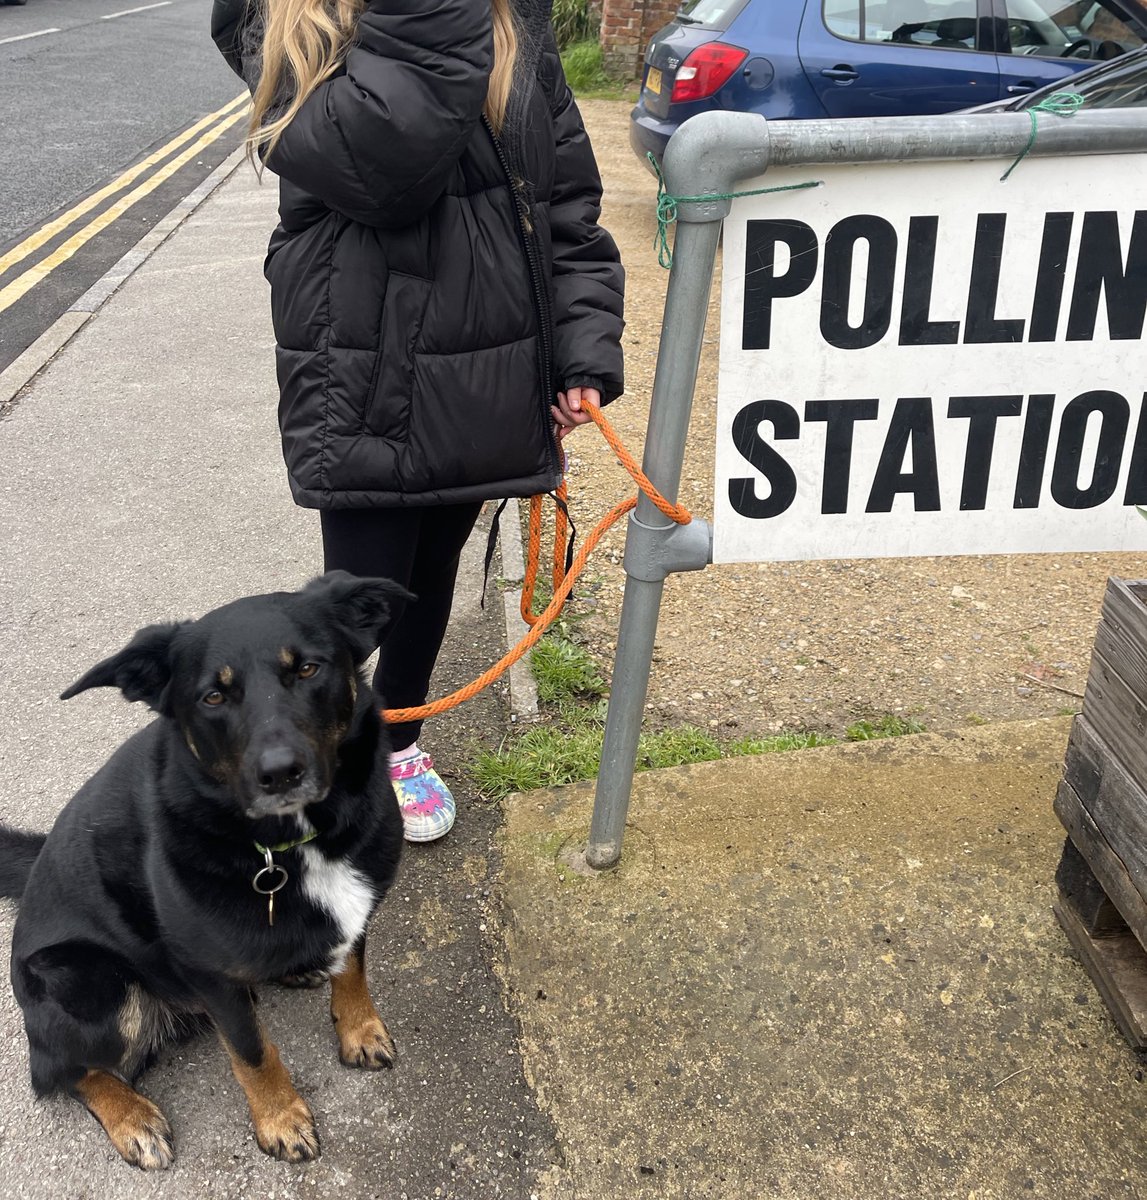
<point>706,69</point>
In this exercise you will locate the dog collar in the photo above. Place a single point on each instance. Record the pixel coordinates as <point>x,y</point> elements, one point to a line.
<point>283,846</point>
<point>272,877</point>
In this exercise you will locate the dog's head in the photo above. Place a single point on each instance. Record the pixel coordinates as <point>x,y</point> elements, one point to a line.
<point>264,689</point>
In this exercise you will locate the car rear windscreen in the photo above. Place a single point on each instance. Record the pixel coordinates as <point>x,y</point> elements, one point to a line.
<point>709,14</point>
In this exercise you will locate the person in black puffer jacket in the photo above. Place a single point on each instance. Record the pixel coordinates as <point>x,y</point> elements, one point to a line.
<point>444,300</point>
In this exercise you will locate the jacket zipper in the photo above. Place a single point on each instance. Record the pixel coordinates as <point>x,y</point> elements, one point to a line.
<point>541,297</point>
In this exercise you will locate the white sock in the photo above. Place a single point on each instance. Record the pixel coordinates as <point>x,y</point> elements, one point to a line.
<point>401,756</point>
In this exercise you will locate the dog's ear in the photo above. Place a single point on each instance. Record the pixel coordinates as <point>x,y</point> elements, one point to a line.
<point>141,670</point>
<point>362,608</point>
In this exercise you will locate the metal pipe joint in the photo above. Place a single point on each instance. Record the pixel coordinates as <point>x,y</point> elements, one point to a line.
<point>708,155</point>
<point>654,551</point>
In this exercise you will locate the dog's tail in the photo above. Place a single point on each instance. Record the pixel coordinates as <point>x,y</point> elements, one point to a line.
<point>18,851</point>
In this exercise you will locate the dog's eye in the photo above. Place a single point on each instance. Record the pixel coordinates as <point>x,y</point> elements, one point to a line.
<point>308,669</point>
<point>214,699</point>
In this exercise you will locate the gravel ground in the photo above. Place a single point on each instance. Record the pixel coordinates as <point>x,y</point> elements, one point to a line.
<point>757,648</point>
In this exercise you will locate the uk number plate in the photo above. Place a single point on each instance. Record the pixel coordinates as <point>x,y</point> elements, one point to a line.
<point>653,81</point>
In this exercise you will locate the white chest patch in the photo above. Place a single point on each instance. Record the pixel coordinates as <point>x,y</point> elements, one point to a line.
<point>344,893</point>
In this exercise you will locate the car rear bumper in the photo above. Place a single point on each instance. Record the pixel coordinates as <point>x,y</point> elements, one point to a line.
<point>649,134</point>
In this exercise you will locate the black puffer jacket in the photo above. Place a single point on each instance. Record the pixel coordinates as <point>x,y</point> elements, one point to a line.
<point>432,285</point>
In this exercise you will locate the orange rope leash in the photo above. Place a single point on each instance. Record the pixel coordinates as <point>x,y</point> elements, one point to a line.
<point>563,582</point>
<point>561,529</point>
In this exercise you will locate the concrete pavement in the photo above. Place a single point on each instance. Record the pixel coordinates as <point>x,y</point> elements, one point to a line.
<point>826,974</point>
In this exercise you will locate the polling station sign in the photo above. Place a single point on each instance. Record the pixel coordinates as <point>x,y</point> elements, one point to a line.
<point>917,359</point>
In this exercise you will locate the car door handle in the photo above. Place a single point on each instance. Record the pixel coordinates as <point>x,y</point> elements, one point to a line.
<point>842,73</point>
<point>1014,88</point>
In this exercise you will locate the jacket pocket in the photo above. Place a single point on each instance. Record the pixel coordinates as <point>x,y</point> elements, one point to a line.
<point>298,267</point>
<point>390,397</point>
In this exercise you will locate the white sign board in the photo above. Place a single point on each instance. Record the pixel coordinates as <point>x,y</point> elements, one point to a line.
<point>919,359</point>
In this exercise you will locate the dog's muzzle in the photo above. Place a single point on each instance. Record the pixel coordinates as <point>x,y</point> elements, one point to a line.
<point>281,782</point>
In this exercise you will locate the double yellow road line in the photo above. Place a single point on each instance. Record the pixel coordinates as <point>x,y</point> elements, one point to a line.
<point>209,129</point>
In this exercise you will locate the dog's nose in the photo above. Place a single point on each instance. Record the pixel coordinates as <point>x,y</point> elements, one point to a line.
<point>279,770</point>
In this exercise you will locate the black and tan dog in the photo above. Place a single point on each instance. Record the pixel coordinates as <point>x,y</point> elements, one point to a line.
<point>246,835</point>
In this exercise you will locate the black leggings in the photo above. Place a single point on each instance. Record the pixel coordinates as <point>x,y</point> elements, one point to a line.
<point>418,548</point>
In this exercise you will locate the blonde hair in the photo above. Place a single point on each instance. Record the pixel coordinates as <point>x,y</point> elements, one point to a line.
<point>306,41</point>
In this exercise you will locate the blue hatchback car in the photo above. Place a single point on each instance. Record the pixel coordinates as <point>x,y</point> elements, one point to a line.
<point>868,58</point>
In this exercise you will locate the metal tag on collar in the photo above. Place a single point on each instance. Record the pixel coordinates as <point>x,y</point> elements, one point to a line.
<point>270,878</point>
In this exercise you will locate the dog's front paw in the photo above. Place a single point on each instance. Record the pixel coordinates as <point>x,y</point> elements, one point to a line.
<point>142,1135</point>
<point>365,1043</point>
<point>289,1134</point>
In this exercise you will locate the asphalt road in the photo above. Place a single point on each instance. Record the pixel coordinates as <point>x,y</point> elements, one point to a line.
<point>87,89</point>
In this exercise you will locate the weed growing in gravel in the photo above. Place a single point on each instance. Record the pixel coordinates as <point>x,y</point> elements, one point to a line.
<point>778,744</point>
<point>571,688</point>
<point>565,671</point>
<point>688,744</point>
<point>886,726</point>
<point>551,755</point>
<point>544,756</point>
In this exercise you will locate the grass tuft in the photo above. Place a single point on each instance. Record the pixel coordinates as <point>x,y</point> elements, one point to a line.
<point>886,726</point>
<point>553,755</point>
<point>586,74</point>
<point>676,747</point>
<point>584,68</point>
<point>778,744</point>
<point>545,756</point>
<point>572,687</point>
<point>565,671</point>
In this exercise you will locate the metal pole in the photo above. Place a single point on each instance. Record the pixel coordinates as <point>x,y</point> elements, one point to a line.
<point>693,166</point>
<point>686,308</point>
<point>954,135</point>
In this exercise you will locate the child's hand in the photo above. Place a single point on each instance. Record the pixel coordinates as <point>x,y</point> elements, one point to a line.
<point>569,412</point>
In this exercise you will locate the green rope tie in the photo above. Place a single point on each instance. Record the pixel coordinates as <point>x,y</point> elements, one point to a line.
<point>1059,104</point>
<point>667,207</point>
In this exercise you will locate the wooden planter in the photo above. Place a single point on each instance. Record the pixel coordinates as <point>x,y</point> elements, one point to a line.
<point>1102,802</point>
